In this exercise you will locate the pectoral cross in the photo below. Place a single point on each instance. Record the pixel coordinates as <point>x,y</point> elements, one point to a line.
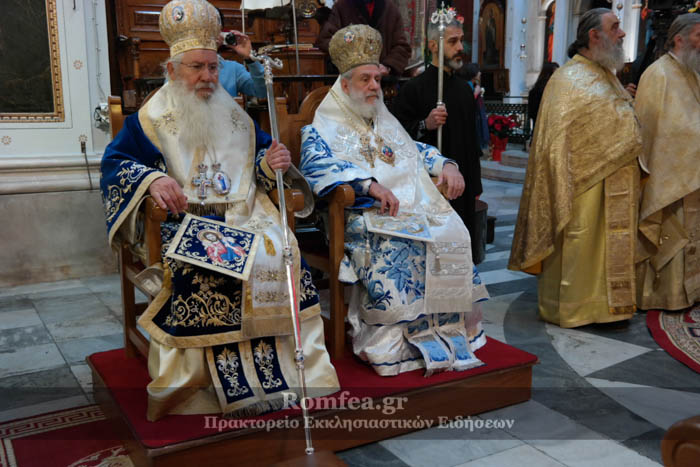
<point>201,182</point>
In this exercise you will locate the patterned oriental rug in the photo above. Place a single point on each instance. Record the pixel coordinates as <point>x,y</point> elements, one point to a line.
<point>79,437</point>
<point>678,333</point>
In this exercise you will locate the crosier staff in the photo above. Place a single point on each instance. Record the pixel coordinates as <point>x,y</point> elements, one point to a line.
<point>268,63</point>
<point>441,17</point>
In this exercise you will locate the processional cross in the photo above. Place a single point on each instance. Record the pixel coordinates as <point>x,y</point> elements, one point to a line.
<point>202,182</point>
<point>442,16</point>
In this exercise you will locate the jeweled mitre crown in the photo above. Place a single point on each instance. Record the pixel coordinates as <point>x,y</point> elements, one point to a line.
<point>188,25</point>
<point>355,45</point>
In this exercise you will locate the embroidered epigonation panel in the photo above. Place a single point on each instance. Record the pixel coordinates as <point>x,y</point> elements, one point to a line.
<point>215,246</point>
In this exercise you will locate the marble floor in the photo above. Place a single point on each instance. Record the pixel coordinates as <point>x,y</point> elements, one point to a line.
<point>603,395</point>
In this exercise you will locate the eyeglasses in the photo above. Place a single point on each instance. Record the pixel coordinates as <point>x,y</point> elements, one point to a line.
<point>197,67</point>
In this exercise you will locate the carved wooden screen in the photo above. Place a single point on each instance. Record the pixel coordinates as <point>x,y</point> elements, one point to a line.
<point>141,50</point>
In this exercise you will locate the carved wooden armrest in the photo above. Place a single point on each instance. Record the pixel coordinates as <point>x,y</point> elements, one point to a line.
<point>294,201</point>
<point>342,196</point>
<point>681,444</point>
<point>293,198</point>
<point>442,188</point>
<point>154,216</point>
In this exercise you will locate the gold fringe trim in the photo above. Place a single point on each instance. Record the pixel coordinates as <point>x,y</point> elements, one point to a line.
<point>256,409</point>
<point>269,246</point>
<point>209,209</point>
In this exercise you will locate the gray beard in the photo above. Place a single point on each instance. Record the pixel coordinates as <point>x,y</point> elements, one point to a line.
<point>455,64</point>
<point>609,55</point>
<point>364,109</point>
<point>690,57</point>
<point>201,121</point>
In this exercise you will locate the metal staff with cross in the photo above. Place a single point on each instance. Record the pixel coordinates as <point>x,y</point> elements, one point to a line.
<point>442,16</point>
<point>268,63</point>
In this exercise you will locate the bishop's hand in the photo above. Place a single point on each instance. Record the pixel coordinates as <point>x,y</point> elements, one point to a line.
<point>389,202</point>
<point>436,118</point>
<point>277,156</point>
<point>168,194</point>
<point>451,176</point>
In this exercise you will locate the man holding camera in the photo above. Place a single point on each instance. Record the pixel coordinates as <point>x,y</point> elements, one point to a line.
<point>233,76</point>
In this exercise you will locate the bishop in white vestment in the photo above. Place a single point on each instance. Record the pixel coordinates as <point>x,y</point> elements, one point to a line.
<point>407,251</point>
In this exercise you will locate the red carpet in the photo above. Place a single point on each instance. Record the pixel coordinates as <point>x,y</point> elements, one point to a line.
<point>127,379</point>
<point>83,438</point>
<point>78,437</point>
<point>678,333</point>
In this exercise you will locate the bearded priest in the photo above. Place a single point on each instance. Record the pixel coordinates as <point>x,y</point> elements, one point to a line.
<point>218,344</point>
<point>668,106</point>
<point>407,251</point>
<point>577,220</point>
<point>415,107</point>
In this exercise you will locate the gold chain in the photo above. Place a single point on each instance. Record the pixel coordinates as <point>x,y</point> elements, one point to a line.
<point>369,152</point>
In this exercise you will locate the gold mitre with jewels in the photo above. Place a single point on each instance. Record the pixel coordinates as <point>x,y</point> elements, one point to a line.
<point>189,25</point>
<point>355,45</point>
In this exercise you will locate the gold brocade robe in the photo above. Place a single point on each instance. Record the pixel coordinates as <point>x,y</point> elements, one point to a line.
<point>577,214</point>
<point>668,106</point>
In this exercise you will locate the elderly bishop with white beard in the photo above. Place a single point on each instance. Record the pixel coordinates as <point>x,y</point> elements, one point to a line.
<point>408,253</point>
<point>218,344</point>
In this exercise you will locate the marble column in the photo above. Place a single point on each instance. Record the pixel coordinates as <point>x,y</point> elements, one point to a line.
<point>515,12</point>
<point>561,33</point>
<point>629,22</point>
<point>536,24</point>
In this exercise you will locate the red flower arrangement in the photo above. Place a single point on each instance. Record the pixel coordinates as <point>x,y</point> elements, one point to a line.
<point>501,125</point>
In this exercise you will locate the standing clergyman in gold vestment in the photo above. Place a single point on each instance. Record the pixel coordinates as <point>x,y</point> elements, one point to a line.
<point>668,106</point>
<point>577,220</point>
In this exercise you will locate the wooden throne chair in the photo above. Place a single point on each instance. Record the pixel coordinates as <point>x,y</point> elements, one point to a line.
<point>314,250</point>
<point>132,262</point>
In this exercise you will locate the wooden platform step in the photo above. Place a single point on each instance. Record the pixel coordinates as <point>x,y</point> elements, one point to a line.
<point>493,170</point>
<point>187,440</point>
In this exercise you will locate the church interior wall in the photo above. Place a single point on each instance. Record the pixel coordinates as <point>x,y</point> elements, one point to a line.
<point>53,224</point>
<point>629,16</point>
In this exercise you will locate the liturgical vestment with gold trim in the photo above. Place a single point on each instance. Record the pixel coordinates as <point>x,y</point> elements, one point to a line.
<point>577,219</point>
<point>668,106</point>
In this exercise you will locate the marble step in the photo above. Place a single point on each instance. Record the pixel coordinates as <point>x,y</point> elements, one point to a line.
<point>514,158</point>
<point>493,170</point>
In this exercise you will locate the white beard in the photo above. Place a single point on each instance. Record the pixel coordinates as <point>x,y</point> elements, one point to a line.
<point>690,57</point>
<point>202,120</point>
<point>365,109</point>
<point>609,55</point>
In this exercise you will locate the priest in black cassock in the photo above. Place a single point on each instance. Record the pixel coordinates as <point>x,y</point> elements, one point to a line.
<point>415,107</point>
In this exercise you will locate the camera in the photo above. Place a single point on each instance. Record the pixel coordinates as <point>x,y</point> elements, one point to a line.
<point>230,38</point>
